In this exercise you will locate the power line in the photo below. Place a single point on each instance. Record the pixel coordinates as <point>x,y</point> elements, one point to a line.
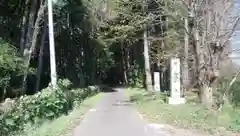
<point>236,50</point>
<point>234,57</point>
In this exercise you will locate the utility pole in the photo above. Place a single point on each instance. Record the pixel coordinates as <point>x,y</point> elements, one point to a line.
<point>52,46</point>
<point>185,70</point>
<point>185,61</point>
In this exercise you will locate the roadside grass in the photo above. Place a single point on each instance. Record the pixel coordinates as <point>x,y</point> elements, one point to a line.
<point>190,115</point>
<point>64,125</point>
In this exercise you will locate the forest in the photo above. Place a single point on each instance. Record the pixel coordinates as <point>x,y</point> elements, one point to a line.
<point>109,43</point>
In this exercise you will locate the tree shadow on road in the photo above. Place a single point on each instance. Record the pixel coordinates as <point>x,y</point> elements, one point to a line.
<point>106,89</point>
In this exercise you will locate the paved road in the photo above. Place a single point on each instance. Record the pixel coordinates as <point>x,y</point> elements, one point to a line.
<point>114,116</point>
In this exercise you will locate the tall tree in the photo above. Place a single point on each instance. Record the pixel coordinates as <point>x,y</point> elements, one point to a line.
<point>40,57</point>
<point>30,48</point>
<point>148,76</point>
<point>213,26</point>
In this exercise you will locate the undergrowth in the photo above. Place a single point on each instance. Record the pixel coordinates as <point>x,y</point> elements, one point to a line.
<point>63,125</point>
<point>46,105</point>
<point>153,106</point>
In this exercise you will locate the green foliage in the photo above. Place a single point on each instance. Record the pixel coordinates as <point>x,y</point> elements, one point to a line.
<point>11,65</point>
<point>127,23</point>
<point>79,50</point>
<point>233,93</point>
<point>45,105</point>
<point>125,28</point>
<point>135,76</point>
<point>63,125</point>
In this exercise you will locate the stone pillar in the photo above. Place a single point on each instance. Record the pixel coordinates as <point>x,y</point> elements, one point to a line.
<point>175,83</point>
<point>157,81</point>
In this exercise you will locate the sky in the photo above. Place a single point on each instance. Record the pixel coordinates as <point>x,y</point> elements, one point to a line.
<point>236,41</point>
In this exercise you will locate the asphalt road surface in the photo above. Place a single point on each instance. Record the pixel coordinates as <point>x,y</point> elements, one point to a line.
<point>114,116</point>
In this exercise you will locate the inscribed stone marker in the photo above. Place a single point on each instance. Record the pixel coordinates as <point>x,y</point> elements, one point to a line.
<point>175,97</point>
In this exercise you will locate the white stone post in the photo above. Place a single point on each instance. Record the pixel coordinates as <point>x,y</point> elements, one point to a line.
<point>175,83</point>
<point>157,81</point>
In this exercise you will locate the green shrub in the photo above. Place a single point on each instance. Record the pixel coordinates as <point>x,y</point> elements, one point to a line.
<point>134,75</point>
<point>81,94</point>
<point>45,105</point>
<point>11,66</point>
<point>233,93</point>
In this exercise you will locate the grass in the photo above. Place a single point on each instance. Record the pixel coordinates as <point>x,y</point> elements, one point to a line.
<point>190,115</point>
<point>63,125</point>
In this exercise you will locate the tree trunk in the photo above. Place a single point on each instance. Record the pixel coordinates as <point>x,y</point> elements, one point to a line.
<point>23,35</point>
<point>30,29</point>
<point>148,81</point>
<point>40,58</point>
<point>205,88</point>
<point>23,30</point>
<point>127,51</point>
<point>123,57</point>
<point>205,96</point>
<point>33,45</point>
<point>3,95</point>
